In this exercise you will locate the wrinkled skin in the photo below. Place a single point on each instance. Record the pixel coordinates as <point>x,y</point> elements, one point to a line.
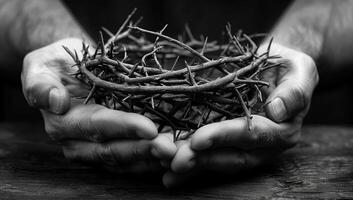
<point>228,146</point>
<point>120,141</point>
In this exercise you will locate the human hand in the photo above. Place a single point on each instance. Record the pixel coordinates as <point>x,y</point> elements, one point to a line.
<point>228,146</point>
<point>121,141</point>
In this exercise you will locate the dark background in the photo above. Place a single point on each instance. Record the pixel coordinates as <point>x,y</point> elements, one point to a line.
<point>332,101</point>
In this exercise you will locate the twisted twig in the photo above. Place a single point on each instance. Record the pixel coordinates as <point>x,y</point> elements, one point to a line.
<point>179,84</point>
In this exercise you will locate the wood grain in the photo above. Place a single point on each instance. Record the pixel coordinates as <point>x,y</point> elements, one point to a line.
<point>320,167</point>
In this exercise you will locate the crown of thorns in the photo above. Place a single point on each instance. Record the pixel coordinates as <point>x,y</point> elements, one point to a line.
<point>180,84</point>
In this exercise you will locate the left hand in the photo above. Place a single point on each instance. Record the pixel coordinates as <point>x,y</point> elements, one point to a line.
<point>228,146</point>
<point>119,141</point>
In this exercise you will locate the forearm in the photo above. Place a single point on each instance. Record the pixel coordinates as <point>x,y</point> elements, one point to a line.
<point>303,26</point>
<point>30,24</point>
<point>322,29</point>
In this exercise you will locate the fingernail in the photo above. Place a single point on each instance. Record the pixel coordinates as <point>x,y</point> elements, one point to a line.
<point>54,100</point>
<point>277,110</point>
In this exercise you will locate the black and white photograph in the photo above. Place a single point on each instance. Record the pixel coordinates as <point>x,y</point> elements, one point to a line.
<point>176,99</point>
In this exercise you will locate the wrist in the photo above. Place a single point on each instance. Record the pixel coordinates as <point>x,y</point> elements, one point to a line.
<point>40,23</point>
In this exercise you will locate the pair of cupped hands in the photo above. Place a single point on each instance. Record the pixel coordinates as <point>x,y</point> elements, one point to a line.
<point>129,143</point>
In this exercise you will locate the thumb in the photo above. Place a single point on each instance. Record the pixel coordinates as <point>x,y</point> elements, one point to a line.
<point>287,101</point>
<point>295,83</point>
<point>44,90</point>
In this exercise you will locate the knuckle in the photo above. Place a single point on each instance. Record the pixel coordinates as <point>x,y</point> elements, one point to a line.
<point>94,135</point>
<point>28,89</point>
<point>308,62</point>
<point>311,68</point>
<point>27,60</point>
<point>35,93</point>
<point>298,100</point>
<point>27,64</point>
<point>52,131</point>
<point>303,97</point>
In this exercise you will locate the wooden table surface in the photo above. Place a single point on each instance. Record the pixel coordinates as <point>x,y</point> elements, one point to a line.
<point>32,167</point>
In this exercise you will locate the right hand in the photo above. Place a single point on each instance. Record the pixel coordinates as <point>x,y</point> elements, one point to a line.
<point>121,141</point>
<point>229,147</point>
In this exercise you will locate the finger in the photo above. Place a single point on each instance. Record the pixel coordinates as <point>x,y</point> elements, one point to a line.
<point>187,160</point>
<point>167,163</point>
<point>295,86</point>
<point>113,153</point>
<point>234,133</point>
<point>184,159</point>
<point>286,101</point>
<point>96,123</point>
<point>43,89</point>
<point>119,157</point>
<point>163,146</point>
<point>45,76</point>
<point>225,161</point>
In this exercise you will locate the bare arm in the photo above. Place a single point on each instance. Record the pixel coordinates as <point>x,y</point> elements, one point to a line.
<point>322,29</point>
<point>30,24</point>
